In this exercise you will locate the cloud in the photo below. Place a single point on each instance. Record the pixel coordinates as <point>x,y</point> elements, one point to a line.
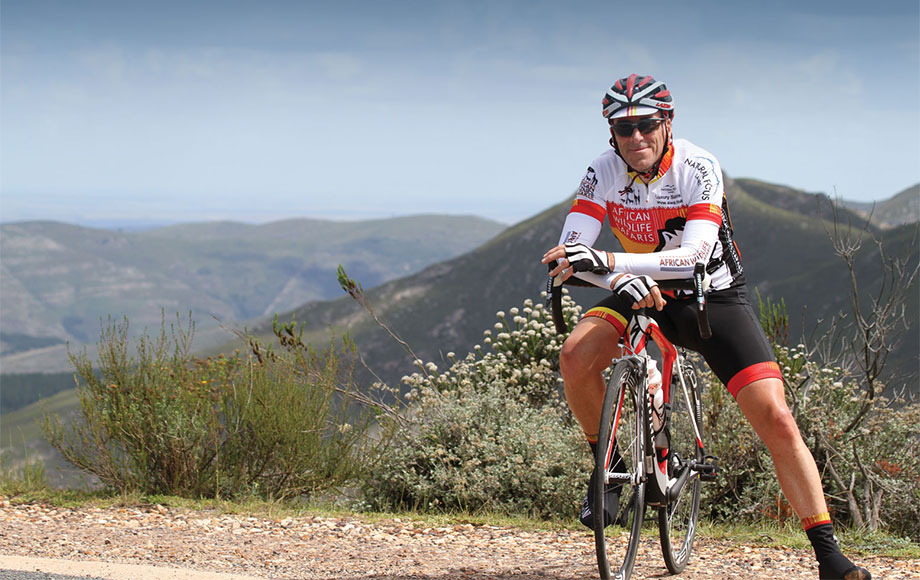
<point>340,66</point>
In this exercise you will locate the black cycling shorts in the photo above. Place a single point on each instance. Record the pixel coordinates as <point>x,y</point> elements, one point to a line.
<point>738,351</point>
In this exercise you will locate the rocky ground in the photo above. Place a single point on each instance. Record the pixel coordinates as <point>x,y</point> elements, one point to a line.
<point>181,543</point>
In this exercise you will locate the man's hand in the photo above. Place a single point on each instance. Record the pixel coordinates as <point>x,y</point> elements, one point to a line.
<point>642,291</point>
<point>572,258</point>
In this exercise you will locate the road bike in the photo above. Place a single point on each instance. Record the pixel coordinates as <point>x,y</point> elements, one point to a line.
<point>654,453</point>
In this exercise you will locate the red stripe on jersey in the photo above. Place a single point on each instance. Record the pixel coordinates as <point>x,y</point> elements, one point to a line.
<point>594,210</point>
<point>705,211</point>
<point>755,372</point>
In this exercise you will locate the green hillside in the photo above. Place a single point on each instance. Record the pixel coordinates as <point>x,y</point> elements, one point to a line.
<point>21,436</point>
<point>783,240</point>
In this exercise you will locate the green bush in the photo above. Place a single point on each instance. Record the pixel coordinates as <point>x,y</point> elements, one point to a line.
<point>164,422</point>
<point>492,432</point>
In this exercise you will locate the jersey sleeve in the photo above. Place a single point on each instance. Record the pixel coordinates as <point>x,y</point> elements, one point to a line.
<point>703,186</point>
<point>586,216</point>
<point>584,222</point>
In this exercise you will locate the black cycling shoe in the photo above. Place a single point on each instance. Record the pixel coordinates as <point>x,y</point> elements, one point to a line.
<point>854,573</point>
<point>611,504</point>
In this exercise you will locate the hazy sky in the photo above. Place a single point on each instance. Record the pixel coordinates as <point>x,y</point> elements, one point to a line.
<point>258,110</point>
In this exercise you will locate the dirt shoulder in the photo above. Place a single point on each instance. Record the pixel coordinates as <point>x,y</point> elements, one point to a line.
<point>159,542</point>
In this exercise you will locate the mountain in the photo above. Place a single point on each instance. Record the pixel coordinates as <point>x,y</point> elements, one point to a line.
<point>903,208</point>
<point>58,280</point>
<point>782,234</point>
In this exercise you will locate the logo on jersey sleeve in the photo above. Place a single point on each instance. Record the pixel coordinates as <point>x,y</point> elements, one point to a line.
<point>709,180</point>
<point>588,183</point>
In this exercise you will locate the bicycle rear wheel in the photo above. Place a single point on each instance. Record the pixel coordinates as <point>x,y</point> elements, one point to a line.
<point>620,451</point>
<point>677,521</point>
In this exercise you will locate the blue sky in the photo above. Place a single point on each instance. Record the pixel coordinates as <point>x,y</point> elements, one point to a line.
<point>253,111</point>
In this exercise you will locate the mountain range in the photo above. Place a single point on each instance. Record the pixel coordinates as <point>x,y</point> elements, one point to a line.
<point>58,280</point>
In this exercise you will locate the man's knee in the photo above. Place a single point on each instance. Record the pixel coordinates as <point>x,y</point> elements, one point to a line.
<point>764,404</point>
<point>783,423</point>
<point>580,358</point>
<point>571,359</point>
<point>779,428</point>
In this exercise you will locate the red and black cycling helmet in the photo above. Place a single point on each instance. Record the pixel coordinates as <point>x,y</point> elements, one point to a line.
<point>637,95</point>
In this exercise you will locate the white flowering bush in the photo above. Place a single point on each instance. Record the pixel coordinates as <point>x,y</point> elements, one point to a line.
<point>869,463</point>
<point>492,431</point>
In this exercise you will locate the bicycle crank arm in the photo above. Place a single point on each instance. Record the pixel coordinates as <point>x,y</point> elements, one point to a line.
<point>706,470</point>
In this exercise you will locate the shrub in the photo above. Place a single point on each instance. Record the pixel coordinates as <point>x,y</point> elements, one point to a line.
<point>492,432</point>
<point>164,422</point>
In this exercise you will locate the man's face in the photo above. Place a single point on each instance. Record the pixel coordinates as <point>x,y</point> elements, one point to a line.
<point>641,151</point>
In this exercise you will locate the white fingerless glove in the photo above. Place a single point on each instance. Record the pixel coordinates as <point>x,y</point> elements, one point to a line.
<point>633,288</point>
<point>584,258</point>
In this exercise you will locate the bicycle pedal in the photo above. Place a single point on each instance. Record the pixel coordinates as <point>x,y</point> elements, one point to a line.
<point>708,468</point>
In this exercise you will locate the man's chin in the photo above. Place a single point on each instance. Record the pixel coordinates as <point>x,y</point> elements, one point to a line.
<point>641,165</point>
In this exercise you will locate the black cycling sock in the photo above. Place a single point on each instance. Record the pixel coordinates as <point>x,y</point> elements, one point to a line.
<point>832,564</point>
<point>611,495</point>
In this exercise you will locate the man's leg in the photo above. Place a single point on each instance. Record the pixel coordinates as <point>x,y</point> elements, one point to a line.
<point>585,354</point>
<point>763,402</point>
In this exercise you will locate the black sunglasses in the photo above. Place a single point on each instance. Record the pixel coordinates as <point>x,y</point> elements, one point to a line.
<point>645,126</point>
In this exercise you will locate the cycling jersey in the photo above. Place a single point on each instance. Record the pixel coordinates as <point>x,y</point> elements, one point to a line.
<point>665,226</point>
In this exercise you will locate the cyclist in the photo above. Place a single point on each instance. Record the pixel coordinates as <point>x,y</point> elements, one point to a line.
<point>664,199</point>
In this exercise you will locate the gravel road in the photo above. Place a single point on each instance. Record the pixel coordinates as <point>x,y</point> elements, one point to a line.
<point>156,542</point>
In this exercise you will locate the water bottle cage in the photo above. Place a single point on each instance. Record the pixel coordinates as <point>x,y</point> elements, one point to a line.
<point>662,435</point>
<point>661,418</point>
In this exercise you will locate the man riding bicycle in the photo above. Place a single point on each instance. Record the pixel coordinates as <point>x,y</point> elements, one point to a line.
<point>664,200</point>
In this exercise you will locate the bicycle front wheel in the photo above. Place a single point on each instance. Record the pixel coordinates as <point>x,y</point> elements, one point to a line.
<point>678,519</point>
<point>619,462</point>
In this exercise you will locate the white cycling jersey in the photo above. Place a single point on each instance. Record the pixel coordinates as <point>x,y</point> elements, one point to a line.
<point>665,226</point>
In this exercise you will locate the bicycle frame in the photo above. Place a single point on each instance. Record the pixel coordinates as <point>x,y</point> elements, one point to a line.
<point>641,329</point>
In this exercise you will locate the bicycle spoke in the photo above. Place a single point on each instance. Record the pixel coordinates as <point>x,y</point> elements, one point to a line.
<point>677,521</point>
<point>620,463</point>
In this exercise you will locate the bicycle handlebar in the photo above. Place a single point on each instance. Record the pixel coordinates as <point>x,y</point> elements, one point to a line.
<point>694,284</point>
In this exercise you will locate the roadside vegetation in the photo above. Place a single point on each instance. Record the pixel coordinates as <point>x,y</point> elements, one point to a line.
<point>485,435</point>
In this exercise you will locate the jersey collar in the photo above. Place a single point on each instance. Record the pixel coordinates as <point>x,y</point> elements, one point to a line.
<point>662,168</point>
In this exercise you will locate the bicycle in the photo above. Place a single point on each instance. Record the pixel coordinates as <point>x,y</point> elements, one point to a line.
<point>658,463</point>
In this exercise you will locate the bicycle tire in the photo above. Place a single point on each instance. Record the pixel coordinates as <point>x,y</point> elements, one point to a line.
<point>623,420</point>
<point>677,521</point>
